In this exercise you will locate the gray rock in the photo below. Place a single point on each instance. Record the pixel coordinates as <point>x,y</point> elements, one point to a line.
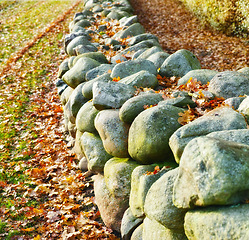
<point>111,208</point>
<point>201,75</point>
<point>85,118</point>
<point>244,108</point>
<point>138,53</point>
<point>129,224</point>
<point>158,58</point>
<point>141,180</point>
<point>179,64</point>
<point>212,172</point>
<point>244,70</point>
<point>154,230</point>
<point>117,174</point>
<point>150,51</point>
<point>76,75</point>
<point>111,94</point>
<point>163,210</point>
<point>83,23</point>
<point>61,86</point>
<point>219,119</point>
<point>215,223</point>
<point>111,41</point>
<point>69,37</point>
<point>97,8</point>
<point>128,68</point>
<point>132,30</point>
<point>128,21</point>
<point>80,49</point>
<point>238,135</point>
<point>98,71</point>
<point>138,233</point>
<point>234,102</point>
<point>141,37</point>
<point>80,40</point>
<point>88,87</point>
<point>63,68</point>
<point>75,102</point>
<point>182,102</point>
<point>142,79</point>
<point>229,84</point>
<point>113,132</point>
<point>94,151</point>
<point>70,61</point>
<point>129,52</point>
<point>66,95</point>
<point>155,126</point>
<point>117,14</point>
<point>135,105</point>
<point>83,164</point>
<point>97,56</point>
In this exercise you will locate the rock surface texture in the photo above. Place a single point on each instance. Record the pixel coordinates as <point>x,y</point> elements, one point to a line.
<point>168,151</point>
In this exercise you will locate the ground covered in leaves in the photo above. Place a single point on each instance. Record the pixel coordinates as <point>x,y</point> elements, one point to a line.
<point>43,195</point>
<point>177,29</point>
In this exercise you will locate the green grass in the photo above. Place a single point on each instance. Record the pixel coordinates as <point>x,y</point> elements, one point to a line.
<point>22,21</point>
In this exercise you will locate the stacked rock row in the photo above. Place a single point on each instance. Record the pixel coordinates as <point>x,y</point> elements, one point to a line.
<point>153,177</point>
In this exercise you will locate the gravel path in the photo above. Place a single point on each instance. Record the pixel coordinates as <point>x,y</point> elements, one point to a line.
<point>177,29</point>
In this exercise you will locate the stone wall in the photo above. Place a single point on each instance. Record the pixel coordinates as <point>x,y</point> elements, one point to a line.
<point>125,99</point>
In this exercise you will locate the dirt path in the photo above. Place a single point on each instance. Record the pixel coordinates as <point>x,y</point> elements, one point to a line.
<point>177,28</point>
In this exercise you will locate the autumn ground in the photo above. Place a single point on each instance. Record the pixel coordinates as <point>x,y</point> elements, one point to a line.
<point>42,193</point>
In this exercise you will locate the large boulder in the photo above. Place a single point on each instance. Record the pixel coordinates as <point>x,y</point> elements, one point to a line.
<point>117,173</point>
<point>179,64</point>
<point>234,102</point>
<point>141,180</point>
<point>138,233</point>
<point>212,172</point>
<point>132,50</point>
<point>94,152</point>
<point>85,118</point>
<point>155,126</point>
<point>79,40</point>
<point>158,58</point>
<point>63,68</point>
<point>128,68</point>
<point>111,208</point>
<point>229,84</point>
<point>141,37</point>
<point>113,132</point>
<point>98,71</point>
<point>77,73</point>
<point>87,90</point>
<point>97,56</point>
<point>201,75</point>
<point>154,230</point>
<point>237,135</point>
<point>129,224</point>
<point>150,51</point>
<point>142,79</point>
<point>111,94</point>
<point>132,30</point>
<point>163,210</point>
<point>135,105</point>
<point>218,223</point>
<point>66,95</point>
<point>75,102</point>
<point>219,119</point>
